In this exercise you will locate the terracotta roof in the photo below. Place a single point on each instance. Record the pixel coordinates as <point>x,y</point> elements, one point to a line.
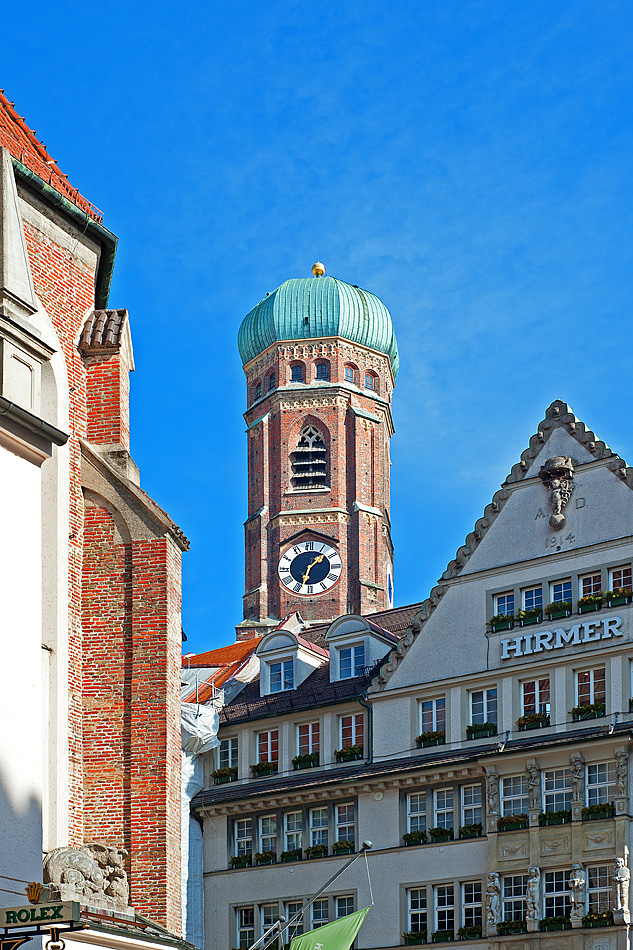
<point>102,330</point>
<point>214,681</point>
<point>24,145</point>
<point>223,656</point>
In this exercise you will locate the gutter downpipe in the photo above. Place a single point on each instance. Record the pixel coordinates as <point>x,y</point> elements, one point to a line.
<point>362,699</point>
<point>107,240</point>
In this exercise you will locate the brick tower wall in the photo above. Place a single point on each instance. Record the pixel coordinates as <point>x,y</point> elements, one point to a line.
<point>356,426</point>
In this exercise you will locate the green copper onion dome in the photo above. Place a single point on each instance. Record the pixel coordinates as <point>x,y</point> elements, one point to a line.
<point>306,308</point>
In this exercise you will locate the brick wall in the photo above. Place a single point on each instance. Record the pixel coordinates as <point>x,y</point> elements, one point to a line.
<point>358,470</point>
<point>108,399</point>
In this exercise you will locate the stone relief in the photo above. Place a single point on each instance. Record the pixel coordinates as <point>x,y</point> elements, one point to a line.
<point>532,895</point>
<point>622,772</point>
<point>621,883</point>
<point>557,476</point>
<point>94,871</point>
<point>578,777</point>
<point>598,839</point>
<point>577,884</point>
<point>555,844</point>
<point>533,775</point>
<point>514,851</point>
<point>493,902</point>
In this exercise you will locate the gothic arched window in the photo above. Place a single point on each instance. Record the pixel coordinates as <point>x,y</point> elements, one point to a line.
<point>297,373</point>
<point>309,460</point>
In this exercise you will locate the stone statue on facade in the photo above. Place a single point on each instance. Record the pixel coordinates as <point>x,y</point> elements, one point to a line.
<point>493,902</point>
<point>621,882</point>
<point>533,894</point>
<point>577,885</point>
<point>557,476</point>
<point>622,772</point>
<point>492,787</point>
<point>578,777</point>
<point>533,776</point>
<point>94,872</point>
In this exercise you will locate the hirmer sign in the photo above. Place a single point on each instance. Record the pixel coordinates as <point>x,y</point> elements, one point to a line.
<point>541,640</point>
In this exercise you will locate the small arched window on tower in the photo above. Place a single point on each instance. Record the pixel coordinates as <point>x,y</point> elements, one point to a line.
<point>271,382</point>
<point>351,373</point>
<point>297,373</point>
<point>371,381</point>
<point>309,461</point>
<point>257,390</point>
<point>322,370</point>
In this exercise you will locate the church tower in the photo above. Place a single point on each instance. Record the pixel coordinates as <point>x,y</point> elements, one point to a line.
<point>320,359</point>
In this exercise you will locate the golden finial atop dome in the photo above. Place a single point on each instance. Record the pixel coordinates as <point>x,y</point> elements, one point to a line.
<point>318,269</point>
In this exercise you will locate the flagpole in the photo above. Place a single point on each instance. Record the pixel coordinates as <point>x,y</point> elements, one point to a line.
<point>366,845</point>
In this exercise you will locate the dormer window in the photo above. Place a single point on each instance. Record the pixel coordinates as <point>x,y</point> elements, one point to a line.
<point>281,676</point>
<point>351,661</point>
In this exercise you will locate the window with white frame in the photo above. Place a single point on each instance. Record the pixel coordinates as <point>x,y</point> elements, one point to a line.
<point>227,753</point>
<point>352,730</point>
<point>345,823</point>
<point>590,584</point>
<point>268,833</point>
<point>245,925</point>
<point>351,661</point>
<point>433,715</point>
<point>620,577</point>
<point>281,674</point>
<point>535,696</point>
<point>445,907</point>
<point>557,789</point>
<point>308,738</point>
<point>243,828</point>
<point>514,892</point>
<point>514,795</point>
<point>319,913</point>
<point>472,915</point>
<point>590,686</point>
<point>268,746</point>
<point>295,929</point>
<point>560,591</point>
<point>504,603</point>
<point>471,804</point>
<point>293,830</point>
<point>343,905</point>
<point>599,888</point>
<point>416,908</point>
<point>416,811</point>
<point>532,598</point>
<point>444,815</point>
<point>483,706</point>
<point>268,914</point>
<point>600,786</point>
<point>556,893</point>
<point>319,826</point>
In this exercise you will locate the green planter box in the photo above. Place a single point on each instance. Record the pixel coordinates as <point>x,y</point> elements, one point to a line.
<point>554,818</point>
<point>558,614</point>
<point>265,772</point>
<point>589,608</point>
<point>599,812</point>
<point>500,625</point>
<point>530,621</point>
<point>243,861</point>
<point>223,779</point>
<point>512,927</point>
<point>512,823</point>
<point>549,925</point>
<point>537,724</point>
<point>286,856</point>
<point>414,938</point>
<point>443,834</point>
<point>265,861</point>
<point>469,933</point>
<point>482,731</point>
<point>424,743</point>
<point>619,601</point>
<point>601,922</point>
<point>443,936</point>
<point>582,717</point>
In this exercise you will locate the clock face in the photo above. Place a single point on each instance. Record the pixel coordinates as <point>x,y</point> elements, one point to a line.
<point>309,567</point>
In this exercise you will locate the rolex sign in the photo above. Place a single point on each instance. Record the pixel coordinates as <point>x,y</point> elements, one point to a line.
<point>62,912</point>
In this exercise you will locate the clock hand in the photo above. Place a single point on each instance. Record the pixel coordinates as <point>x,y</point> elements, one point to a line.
<point>317,560</point>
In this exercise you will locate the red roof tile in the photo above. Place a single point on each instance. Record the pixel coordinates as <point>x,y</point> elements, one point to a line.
<point>223,656</point>
<point>24,145</point>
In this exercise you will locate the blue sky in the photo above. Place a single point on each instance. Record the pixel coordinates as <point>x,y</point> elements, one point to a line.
<point>471,163</point>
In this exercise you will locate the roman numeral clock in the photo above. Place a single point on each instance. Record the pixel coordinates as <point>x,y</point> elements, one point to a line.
<point>309,567</point>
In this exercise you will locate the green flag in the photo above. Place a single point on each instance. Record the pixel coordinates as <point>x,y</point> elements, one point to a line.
<point>339,935</point>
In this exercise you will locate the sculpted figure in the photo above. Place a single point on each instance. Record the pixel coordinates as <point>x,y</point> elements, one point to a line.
<point>110,860</point>
<point>534,785</point>
<point>532,896</point>
<point>493,793</point>
<point>622,772</point>
<point>493,901</point>
<point>621,880</point>
<point>75,867</point>
<point>558,478</point>
<point>577,884</point>
<point>578,778</point>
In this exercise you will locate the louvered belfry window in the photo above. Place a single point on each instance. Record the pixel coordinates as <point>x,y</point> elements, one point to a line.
<point>309,460</point>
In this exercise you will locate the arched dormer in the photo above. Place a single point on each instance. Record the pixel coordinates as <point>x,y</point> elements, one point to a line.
<point>286,660</point>
<point>356,645</point>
